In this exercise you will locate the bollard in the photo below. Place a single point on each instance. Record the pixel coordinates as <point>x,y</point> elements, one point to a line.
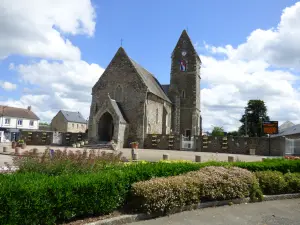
<point>197,158</point>
<point>17,150</point>
<point>165,156</point>
<point>135,156</point>
<point>4,149</point>
<point>230,159</point>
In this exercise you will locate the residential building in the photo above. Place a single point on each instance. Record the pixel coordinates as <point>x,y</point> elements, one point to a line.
<point>13,120</point>
<point>66,121</point>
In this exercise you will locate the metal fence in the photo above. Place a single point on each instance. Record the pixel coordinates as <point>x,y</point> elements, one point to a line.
<point>292,146</point>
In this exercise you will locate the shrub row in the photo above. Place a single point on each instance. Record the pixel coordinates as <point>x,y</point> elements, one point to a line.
<point>274,182</point>
<point>210,183</point>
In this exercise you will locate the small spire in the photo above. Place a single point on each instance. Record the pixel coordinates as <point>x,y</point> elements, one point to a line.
<point>121,42</point>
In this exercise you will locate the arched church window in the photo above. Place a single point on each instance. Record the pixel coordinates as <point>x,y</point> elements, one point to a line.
<point>156,115</point>
<point>118,94</point>
<point>149,128</point>
<point>182,94</point>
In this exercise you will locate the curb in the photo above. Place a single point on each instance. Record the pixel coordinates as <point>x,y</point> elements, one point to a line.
<point>124,219</point>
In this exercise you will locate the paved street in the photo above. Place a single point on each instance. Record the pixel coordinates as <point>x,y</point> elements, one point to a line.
<point>151,154</point>
<point>283,212</point>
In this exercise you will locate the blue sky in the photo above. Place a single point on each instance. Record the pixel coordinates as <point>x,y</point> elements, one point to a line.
<point>150,30</point>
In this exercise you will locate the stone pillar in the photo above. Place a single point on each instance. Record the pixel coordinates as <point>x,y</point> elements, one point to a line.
<point>165,156</point>
<point>230,159</point>
<point>197,158</point>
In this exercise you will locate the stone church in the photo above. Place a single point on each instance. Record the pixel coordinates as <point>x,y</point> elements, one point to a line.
<point>128,102</point>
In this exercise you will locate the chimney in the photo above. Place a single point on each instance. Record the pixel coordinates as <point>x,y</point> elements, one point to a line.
<point>29,108</point>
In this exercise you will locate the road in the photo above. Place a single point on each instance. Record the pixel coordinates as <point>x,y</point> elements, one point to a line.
<point>153,154</point>
<point>283,212</point>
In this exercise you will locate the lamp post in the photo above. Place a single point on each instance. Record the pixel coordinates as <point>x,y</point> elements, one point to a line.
<point>247,110</point>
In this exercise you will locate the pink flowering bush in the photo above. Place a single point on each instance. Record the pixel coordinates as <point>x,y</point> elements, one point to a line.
<point>161,195</point>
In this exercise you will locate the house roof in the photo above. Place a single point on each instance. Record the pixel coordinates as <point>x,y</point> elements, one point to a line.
<point>289,131</point>
<point>151,82</point>
<point>18,113</point>
<point>75,117</point>
<point>286,125</point>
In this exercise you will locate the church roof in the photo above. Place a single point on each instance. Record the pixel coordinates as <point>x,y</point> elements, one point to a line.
<point>165,88</point>
<point>152,83</point>
<point>286,125</point>
<point>75,117</point>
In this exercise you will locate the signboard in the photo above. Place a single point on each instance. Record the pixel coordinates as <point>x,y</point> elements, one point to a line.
<point>270,127</point>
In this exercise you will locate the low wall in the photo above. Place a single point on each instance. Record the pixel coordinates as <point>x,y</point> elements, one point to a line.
<point>232,145</point>
<point>47,138</point>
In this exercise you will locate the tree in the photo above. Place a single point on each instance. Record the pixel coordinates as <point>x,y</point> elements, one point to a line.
<point>218,132</point>
<point>233,133</point>
<point>255,114</point>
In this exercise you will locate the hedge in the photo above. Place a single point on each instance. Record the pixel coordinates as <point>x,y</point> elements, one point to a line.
<point>161,195</point>
<point>274,182</point>
<point>38,198</point>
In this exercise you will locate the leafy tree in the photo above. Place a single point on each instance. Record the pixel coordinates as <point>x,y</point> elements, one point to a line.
<point>43,123</point>
<point>233,133</point>
<point>255,114</point>
<point>218,132</point>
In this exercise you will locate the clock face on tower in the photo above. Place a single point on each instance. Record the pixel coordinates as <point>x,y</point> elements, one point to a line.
<point>183,53</point>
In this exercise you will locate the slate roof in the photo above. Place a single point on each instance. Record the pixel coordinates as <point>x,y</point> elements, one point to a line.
<point>285,125</point>
<point>75,117</point>
<point>18,113</point>
<point>289,131</point>
<point>151,82</point>
<point>165,88</point>
<point>118,110</point>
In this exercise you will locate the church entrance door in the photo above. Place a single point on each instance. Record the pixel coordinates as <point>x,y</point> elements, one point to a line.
<point>106,127</point>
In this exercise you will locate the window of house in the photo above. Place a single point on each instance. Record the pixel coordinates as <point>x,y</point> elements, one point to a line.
<point>118,94</point>
<point>73,125</point>
<point>7,121</point>
<point>20,122</point>
<point>82,126</point>
<point>77,126</point>
<point>156,115</point>
<point>182,94</point>
<point>31,123</point>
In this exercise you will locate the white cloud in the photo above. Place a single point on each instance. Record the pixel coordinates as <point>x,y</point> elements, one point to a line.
<point>247,72</point>
<point>59,85</point>
<point>38,28</point>
<point>277,46</point>
<point>7,85</point>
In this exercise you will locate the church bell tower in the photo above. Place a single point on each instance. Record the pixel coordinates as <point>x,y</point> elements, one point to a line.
<point>184,90</point>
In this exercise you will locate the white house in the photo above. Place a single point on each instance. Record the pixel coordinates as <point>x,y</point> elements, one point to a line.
<point>13,120</point>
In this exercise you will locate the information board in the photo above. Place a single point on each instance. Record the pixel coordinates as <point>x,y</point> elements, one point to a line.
<point>270,127</point>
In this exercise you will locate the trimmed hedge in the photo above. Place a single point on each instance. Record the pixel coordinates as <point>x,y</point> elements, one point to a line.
<point>274,182</point>
<point>36,198</point>
<point>161,195</point>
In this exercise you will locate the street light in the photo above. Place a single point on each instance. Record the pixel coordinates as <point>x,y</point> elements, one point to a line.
<point>247,110</point>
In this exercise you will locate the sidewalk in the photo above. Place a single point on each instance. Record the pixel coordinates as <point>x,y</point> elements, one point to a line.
<point>282,212</point>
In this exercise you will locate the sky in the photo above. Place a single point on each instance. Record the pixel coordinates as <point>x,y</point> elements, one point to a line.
<point>52,52</point>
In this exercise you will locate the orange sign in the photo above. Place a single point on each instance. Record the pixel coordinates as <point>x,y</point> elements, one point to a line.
<point>270,127</point>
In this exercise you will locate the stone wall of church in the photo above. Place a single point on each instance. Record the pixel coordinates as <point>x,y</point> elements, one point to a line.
<point>121,73</point>
<point>157,113</point>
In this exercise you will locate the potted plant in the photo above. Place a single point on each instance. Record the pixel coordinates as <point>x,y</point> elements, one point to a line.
<point>86,142</point>
<point>134,144</point>
<point>82,143</point>
<point>74,145</point>
<point>78,145</point>
<point>22,144</point>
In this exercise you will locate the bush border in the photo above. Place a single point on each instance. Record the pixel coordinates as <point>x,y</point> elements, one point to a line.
<point>124,219</point>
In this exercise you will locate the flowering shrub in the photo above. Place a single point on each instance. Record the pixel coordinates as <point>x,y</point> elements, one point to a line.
<point>160,195</point>
<point>292,157</point>
<point>292,182</point>
<point>57,162</point>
